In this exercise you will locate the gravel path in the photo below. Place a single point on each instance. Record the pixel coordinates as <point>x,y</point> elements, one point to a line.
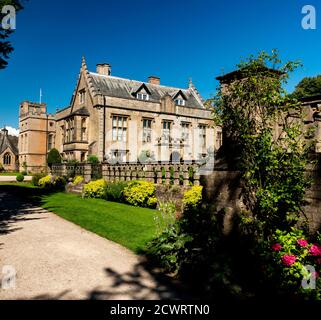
<point>55,259</point>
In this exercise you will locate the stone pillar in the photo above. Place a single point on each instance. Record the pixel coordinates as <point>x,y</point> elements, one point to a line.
<point>176,175</point>
<point>185,176</point>
<point>122,173</point>
<point>159,175</point>
<point>104,170</point>
<point>87,172</point>
<point>167,175</point>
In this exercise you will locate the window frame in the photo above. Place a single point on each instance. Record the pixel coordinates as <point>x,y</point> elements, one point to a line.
<point>147,130</point>
<point>140,96</point>
<point>180,102</point>
<point>116,129</point>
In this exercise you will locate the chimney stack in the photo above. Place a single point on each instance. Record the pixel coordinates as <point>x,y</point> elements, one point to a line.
<point>104,69</point>
<point>153,80</point>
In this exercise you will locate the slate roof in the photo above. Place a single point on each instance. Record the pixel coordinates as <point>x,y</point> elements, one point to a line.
<point>125,88</point>
<point>82,112</point>
<point>7,141</point>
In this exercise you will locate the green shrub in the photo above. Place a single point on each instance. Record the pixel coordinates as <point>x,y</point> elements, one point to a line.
<point>78,180</point>
<point>54,157</point>
<point>1,168</point>
<point>95,189</point>
<point>24,173</point>
<point>36,177</point>
<point>114,191</point>
<point>58,183</point>
<point>20,177</point>
<point>192,198</point>
<point>93,159</point>
<point>52,183</point>
<point>44,182</point>
<point>141,194</point>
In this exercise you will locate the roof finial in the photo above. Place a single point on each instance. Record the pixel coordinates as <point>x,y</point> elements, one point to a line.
<point>83,63</point>
<point>190,82</point>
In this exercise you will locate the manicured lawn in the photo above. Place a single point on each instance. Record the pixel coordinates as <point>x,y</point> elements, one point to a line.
<point>129,226</point>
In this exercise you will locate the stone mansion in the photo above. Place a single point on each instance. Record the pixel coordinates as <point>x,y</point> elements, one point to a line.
<point>119,119</point>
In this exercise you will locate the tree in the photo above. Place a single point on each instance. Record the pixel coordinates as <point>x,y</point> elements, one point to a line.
<point>93,159</point>
<point>5,45</point>
<point>272,158</point>
<point>308,86</point>
<point>54,157</point>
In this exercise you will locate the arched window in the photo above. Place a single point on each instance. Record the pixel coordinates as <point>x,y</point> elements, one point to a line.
<point>7,159</point>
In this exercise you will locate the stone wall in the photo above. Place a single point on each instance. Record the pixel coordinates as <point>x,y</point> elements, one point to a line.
<point>222,189</point>
<point>179,174</point>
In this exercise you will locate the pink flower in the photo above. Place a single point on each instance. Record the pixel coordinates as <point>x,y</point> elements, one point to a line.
<point>302,243</point>
<point>288,260</point>
<point>315,274</point>
<point>315,250</point>
<point>276,247</point>
<point>318,261</point>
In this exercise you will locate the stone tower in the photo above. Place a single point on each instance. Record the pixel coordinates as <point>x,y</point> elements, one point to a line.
<point>37,136</point>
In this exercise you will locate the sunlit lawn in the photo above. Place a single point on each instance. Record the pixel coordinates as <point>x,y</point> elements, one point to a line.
<point>129,226</point>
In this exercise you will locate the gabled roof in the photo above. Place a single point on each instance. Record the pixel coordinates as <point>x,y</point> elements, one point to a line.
<point>111,86</point>
<point>7,141</point>
<point>138,88</point>
<point>80,112</point>
<point>180,92</point>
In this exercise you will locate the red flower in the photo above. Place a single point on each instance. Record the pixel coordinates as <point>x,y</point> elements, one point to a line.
<point>276,247</point>
<point>288,260</point>
<point>315,250</point>
<point>318,261</point>
<point>302,243</point>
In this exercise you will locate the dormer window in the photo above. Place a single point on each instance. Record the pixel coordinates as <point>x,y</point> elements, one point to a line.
<point>82,96</point>
<point>142,96</point>
<point>180,102</point>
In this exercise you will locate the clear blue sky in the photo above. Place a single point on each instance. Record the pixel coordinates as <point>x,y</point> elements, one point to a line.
<point>174,39</point>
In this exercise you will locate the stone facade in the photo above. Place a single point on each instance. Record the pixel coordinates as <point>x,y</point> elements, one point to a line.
<point>121,120</point>
<point>118,119</point>
<point>37,131</point>
<point>8,151</point>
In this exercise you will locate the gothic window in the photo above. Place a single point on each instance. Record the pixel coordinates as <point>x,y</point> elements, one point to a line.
<point>166,134</point>
<point>147,130</point>
<point>83,129</point>
<point>7,159</point>
<point>119,132</point>
<point>82,96</point>
<point>202,135</point>
<point>50,142</point>
<point>185,131</point>
<point>70,130</point>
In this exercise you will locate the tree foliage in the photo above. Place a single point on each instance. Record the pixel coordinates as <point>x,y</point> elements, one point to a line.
<point>5,45</point>
<point>308,86</point>
<point>264,125</point>
<point>54,157</point>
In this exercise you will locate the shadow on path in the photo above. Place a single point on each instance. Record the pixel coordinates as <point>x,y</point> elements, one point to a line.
<point>15,203</point>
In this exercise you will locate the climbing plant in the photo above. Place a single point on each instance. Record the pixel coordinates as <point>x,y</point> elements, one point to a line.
<point>264,128</point>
